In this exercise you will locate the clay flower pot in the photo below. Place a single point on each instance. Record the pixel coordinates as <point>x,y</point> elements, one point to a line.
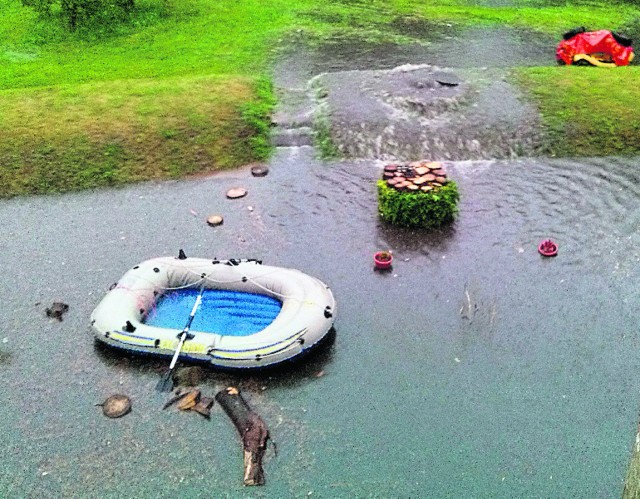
<point>383,259</point>
<point>548,248</point>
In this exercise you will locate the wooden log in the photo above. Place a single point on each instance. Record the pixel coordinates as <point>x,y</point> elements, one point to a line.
<point>632,480</point>
<point>252,430</point>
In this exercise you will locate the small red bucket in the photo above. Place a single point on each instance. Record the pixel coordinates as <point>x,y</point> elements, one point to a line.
<point>383,259</point>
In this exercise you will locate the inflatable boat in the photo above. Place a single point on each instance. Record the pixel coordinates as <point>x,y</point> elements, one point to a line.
<point>247,315</point>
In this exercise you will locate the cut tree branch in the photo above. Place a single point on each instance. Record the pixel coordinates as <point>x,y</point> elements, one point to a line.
<point>252,430</point>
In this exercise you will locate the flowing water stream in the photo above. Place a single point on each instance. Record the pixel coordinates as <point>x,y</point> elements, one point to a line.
<point>474,368</point>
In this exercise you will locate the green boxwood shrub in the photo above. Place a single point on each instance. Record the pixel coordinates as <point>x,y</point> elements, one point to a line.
<point>418,209</point>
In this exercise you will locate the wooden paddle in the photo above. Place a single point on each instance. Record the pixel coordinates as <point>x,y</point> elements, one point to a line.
<point>166,382</point>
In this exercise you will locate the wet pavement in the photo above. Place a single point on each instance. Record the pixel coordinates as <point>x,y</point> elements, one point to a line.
<point>476,367</point>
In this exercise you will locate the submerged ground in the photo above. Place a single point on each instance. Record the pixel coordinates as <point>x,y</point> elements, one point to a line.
<point>474,368</point>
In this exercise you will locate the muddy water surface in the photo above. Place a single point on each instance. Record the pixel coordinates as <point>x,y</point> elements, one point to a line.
<point>475,367</point>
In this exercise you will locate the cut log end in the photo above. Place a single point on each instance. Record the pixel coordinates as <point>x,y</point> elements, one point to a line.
<point>252,430</point>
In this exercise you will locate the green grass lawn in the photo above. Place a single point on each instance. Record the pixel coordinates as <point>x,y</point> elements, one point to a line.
<point>181,88</point>
<point>588,111</point>
<point>113,132</point>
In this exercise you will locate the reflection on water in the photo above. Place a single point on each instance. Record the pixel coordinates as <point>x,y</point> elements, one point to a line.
<point>501,372</point>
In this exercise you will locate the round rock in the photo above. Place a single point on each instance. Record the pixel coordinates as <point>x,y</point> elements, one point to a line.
<point>259,170</point>
<point>236,193</point>
<point>214,220</point>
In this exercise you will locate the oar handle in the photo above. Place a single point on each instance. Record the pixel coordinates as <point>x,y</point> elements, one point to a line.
<point>185,331</point>
<point>183,337</point>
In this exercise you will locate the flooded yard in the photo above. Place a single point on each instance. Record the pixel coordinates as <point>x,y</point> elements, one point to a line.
<point>476,367</point>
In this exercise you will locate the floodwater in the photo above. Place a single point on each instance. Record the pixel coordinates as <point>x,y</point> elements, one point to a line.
<point>476,367</point>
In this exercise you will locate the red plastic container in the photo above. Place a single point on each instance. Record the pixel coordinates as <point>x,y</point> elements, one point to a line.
<point>380,260</point>
<point>548,248</point>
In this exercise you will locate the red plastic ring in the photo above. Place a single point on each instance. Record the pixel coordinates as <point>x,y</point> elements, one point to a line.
<point>548,248</point>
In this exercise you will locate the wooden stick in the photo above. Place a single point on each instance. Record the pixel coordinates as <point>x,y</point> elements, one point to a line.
<point>632,480</point>
<point>252,430</point>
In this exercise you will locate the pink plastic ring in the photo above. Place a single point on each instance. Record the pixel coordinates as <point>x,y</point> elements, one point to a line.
<point>548,248</point>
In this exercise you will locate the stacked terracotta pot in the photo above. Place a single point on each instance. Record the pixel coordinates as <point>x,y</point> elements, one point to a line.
<point>417,176</point>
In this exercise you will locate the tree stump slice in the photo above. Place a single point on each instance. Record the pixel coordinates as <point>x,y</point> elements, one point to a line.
<point>259,170</point>
<point>116,406</point>
<point>215,220</point>
<point>236,193</point>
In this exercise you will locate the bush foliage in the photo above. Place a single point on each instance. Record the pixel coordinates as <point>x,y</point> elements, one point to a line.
<point>418,209</point>
<point>78,12</point>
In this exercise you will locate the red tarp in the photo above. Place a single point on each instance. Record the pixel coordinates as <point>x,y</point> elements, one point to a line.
<point>596,43</point>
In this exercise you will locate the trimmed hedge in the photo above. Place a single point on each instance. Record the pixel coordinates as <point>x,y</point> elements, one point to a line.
<point>418,209</point>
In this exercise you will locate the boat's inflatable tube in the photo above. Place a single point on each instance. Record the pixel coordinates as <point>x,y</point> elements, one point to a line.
<point>307,314</point>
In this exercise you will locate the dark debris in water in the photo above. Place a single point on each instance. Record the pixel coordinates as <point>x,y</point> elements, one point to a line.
<point>191,400</point>
<point>57,310</point>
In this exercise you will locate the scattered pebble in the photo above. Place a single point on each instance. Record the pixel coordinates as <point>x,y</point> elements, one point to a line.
<point>5,340</point>
<point>250,208</point>
<point>193,212</point>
